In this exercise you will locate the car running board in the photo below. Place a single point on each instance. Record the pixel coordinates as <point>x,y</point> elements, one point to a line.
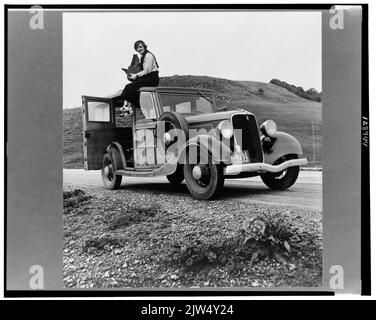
<point>164,170</point>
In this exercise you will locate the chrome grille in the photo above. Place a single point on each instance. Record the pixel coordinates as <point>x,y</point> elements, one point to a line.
<point>248,138</point>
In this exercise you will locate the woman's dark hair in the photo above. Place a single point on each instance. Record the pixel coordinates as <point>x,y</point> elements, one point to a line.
<point>140,42</point>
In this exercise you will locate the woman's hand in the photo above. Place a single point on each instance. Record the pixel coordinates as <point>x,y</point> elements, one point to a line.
<point>133,76</point>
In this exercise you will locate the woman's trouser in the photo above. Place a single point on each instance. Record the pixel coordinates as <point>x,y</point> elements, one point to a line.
<point>130,92</point>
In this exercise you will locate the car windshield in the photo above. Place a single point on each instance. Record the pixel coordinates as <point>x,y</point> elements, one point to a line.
<point>187,104</point>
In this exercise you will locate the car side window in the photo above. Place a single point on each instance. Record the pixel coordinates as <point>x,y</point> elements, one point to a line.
<point>184,107</point>
<point>98,111</point>
<point>147,106</point>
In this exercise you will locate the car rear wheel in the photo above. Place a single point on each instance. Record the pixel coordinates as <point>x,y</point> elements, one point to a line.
<point>176,125</point>
<point>284,179</point>
<point>110,180</point>
<point>178,176</point>
<point>204,179</point>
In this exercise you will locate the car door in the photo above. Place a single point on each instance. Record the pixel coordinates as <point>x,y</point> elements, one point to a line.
<point>145,139</point>
<point>98,129</point>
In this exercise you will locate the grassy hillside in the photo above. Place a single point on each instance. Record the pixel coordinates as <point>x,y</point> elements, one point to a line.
<point>292,113</point>
<point>73,155</point>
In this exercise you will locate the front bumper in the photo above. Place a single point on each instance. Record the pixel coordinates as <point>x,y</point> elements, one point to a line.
<point>236,169</point>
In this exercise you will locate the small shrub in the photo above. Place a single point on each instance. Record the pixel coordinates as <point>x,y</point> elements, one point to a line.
<point>195,253</point>
<point>73,199</point>
<point>134,215</point>
<point>73,193</point>
<point>150,210</point>
<point>102,243</point>
<point>125,220</point>
<point>273,236</point>
<point>75,202</point>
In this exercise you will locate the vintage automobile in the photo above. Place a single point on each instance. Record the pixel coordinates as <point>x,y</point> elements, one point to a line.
<point>196,143</point>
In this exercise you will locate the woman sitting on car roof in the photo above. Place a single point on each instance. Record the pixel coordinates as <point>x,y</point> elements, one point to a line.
<point>147,77</point>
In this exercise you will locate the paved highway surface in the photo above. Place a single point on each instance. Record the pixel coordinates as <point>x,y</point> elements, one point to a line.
<point>306,192</point>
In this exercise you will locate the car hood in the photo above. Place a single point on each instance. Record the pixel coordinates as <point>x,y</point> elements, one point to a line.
<point>207,117</point>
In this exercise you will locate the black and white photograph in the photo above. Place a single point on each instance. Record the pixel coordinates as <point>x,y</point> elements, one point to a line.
<point>239,95</point>
<point>186,150</point>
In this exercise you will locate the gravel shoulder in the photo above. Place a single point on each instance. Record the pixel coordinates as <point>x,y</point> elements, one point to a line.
<point>134,239</point>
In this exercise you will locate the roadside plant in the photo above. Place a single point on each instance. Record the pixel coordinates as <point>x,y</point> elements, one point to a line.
<point>273,236</point>
<point>74,199</point>
<point>101,244</point>
<point>200,252</point>
<point>268,236</point>
<point>134,214</point>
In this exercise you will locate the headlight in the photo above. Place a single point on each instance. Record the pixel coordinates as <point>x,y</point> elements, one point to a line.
<point>226,129</point>
<point>167,137</point>
<point>269,128</point>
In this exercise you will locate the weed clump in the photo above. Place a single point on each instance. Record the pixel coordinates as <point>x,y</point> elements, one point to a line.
<point>73,199</point>
<point>263,237</point>
<point>274,236</point>
<point>133,215</point>
<point>100,244</point>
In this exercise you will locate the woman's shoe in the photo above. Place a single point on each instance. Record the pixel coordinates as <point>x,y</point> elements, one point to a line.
<point>126,110</point>
<point>125,107</point>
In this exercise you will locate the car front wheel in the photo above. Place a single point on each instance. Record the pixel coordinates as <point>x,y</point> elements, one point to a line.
<point>204,179</point>
<point>110,180</point>
<point>284,179</point>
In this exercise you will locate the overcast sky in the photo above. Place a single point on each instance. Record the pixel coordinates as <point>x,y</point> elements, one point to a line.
<point>255,46</point>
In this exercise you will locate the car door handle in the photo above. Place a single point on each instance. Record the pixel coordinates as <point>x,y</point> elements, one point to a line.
<point>87,135</point>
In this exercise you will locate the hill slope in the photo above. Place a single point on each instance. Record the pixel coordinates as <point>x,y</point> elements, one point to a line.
<point>311,94</point>
<point>293,114</point>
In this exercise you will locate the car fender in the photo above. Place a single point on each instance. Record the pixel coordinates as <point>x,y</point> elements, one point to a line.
<point>218,150</point>
<point>280,145</point>
<point>116,151</point>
